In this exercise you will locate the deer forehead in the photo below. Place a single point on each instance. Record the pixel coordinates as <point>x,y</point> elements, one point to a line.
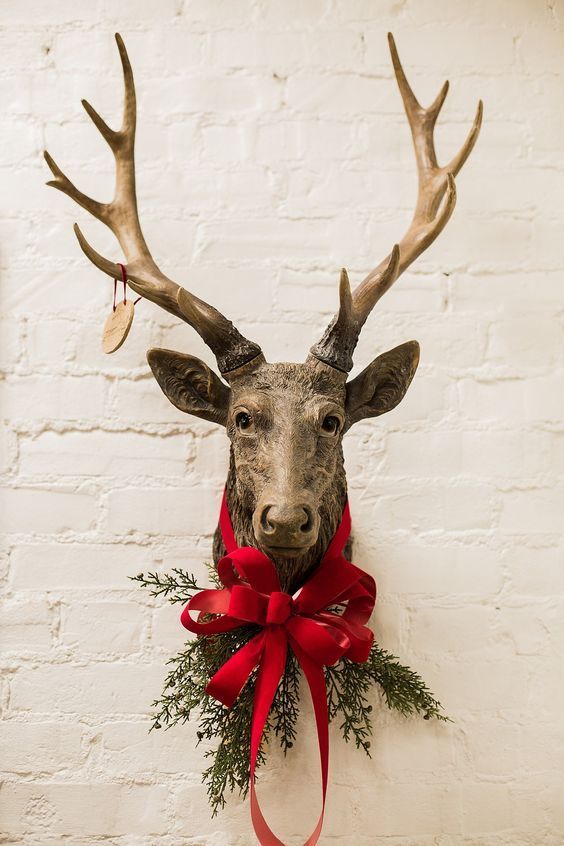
<point>304,388</point>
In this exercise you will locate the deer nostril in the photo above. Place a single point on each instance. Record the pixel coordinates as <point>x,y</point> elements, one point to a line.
<point>307,524</point>
<point>265,524</point>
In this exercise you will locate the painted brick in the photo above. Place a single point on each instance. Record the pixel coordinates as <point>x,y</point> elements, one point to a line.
<point>76,566</point>
<point>11,347</point>
<point>443,570</point>
<point>75,809</point>
<point>482,453</point>
<point>436,632</point>
<point>103,454</point>
<point>161,511</point>
<point>97,689</point>
<point>52,510</point>
<point>462,507</point>
<point>532,511</point>
<point>8,449</point>
<point>37,399</point>
<point>45,747</point>
<point>107,627</point>
<point>25,626</point>
<point>129,747</point>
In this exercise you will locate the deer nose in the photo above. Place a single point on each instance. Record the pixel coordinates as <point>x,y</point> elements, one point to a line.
<point>277,520</point>
<point>286,527</point>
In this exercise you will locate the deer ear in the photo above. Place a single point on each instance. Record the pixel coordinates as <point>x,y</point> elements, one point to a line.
<point>382,385</point>
<point>190,385</point>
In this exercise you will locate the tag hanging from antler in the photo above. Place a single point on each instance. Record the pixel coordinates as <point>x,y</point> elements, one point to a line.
<point>118,324</point>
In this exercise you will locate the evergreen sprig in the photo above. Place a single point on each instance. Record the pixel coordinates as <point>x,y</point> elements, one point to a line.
<point>349,686</point>
<point>177,586</point>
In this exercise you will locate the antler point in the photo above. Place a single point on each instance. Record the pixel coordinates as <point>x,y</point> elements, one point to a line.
<point>345,295</point>
<point>52,165</point>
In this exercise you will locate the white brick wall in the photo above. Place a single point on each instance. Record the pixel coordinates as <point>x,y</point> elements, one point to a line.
<point>272,150</point>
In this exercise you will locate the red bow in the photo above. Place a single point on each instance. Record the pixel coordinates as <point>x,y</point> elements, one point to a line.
<point>317,636</point>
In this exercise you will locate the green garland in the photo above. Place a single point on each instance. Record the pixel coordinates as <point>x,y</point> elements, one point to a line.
<point>348,689</point>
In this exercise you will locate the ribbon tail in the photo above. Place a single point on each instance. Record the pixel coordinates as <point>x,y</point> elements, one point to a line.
<point>271,670</point>
<point>315,677</point>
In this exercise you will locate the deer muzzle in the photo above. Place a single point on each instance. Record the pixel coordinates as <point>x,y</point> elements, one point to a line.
<point>286,528</point>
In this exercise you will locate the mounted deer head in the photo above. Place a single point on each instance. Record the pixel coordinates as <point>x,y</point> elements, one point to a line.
<point>286,486</point>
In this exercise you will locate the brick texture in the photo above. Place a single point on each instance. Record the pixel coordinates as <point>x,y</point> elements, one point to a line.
<point>272,149</point>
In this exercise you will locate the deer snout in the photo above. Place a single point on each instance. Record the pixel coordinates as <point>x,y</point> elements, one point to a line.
<point>286,528</point>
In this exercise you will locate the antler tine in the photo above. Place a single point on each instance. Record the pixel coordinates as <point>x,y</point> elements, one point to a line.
<point>421,121</point>
<point>436,199</point>
<point>167,295</point>
<point>231,349</point>
<point>62,183</point>
<point>459,160</point>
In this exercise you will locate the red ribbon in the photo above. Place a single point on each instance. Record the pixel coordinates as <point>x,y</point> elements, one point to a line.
<point>318,637</point>
<point>123,269</point>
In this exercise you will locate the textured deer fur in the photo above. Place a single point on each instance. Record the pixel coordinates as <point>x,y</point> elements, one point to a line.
<point>286,460</point>
<point>286,485</point>
<point>291,458</point>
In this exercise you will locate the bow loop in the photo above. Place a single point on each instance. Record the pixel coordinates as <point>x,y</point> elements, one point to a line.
<point>247,605</point>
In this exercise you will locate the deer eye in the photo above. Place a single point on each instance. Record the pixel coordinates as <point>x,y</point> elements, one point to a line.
<point>243,420</point>
<point>330,425</point>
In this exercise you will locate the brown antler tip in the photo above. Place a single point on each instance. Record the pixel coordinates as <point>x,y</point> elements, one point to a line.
<point>96,258</point>
<point>60,177</point>
<point>390,272</point>
<point>393,50</point>
<point>122,49</point>
<point>345,295</point>
<point>51,164</point>
<point>437,105</point>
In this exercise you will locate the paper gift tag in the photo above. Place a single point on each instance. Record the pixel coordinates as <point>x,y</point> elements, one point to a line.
<point>117,326</point>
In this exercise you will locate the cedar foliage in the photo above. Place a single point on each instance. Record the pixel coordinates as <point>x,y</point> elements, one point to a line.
<point>349,687</point>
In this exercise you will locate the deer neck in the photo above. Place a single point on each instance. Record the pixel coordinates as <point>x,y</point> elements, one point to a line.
<point>292,572</point>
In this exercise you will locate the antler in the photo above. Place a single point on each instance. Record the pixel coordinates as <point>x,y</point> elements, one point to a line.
<point>231,349</point>
<point>436,199</point>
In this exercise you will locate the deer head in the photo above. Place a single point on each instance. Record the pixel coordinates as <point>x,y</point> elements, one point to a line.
<point>286,484</point>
